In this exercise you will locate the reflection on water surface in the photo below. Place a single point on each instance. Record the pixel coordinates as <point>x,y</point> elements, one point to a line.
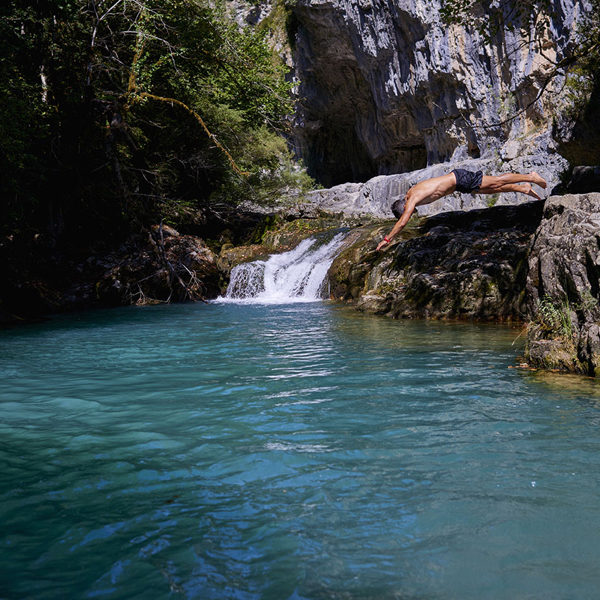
<point>223,451</point>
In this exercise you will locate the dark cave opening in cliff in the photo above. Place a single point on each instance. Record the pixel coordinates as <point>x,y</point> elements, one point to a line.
<point>335,155</point>
<point>583,147</point>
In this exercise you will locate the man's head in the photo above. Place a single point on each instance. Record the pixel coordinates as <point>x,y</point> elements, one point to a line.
<point>398,207</point>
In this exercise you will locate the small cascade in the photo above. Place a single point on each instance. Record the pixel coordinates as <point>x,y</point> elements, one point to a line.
<point>295,276</point>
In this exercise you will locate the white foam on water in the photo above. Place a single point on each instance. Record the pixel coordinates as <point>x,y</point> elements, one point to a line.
<point>295,276</point>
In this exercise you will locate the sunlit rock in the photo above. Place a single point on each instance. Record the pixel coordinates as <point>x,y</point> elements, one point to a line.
<point>457,265</point>
<point>563,285</point>
<point>386,87</point>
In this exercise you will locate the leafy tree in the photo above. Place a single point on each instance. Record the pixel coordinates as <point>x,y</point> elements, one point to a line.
<point>117,114</point>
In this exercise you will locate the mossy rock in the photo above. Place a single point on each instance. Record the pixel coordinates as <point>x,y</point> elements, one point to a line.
<point>231,256</point>
<point>555,354</point>
<point>287,235</point>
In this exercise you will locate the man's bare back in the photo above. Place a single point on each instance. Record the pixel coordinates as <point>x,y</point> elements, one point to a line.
<point>459,180</point>
<point>432,189</point>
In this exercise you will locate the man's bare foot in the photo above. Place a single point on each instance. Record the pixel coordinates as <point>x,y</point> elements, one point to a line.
<point>528,189</point>
<point>536,178</point>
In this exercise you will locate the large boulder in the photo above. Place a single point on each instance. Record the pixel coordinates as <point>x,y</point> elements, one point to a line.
<point>352,266</point>
<point>467,265</point>
<point>163,267</point>
<point>563,286</point>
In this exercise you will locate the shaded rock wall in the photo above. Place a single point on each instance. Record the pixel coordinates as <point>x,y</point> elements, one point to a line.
<point>386,87</point>
<point>157,266</point>
<point>580,141</point>
<point>164,267</point>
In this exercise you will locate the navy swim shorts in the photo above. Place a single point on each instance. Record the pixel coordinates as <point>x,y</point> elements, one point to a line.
<point>467,181</point>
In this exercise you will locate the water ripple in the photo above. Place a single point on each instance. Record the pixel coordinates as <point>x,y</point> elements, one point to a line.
<point>228,451</point>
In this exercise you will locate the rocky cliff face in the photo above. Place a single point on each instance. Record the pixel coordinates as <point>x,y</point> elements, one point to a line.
<point>459,265</point>
<point>386,87</point>
<point>563,286</point>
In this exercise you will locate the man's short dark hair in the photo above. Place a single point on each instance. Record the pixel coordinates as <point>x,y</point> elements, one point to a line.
<point>398,207</point>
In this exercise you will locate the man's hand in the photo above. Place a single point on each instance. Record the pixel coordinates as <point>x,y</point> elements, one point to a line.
<point>384,242</point>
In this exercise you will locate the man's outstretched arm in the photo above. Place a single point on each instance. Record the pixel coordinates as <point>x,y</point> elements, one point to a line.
<point>409,209</point>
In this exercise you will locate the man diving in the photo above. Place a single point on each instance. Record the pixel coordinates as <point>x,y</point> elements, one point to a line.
<point>459,180</point>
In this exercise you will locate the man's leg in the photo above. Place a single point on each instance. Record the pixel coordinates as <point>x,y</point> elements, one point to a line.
<point>521,188</point>
<point>494,184</point>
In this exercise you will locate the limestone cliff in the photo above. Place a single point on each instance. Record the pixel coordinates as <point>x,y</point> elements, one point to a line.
<point>386,87</point>
<point>375,196</point>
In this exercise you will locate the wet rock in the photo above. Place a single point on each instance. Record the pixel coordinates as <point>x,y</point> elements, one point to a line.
<point>554,355</point>
<point>351,268</point>
<point>231,256</point>
<point>279,236</point>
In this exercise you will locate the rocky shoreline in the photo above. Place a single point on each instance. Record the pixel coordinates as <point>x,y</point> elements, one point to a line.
<point>562,289</point>
<point>457,265</point>
<point>159,265</point>
<point>536,263</point>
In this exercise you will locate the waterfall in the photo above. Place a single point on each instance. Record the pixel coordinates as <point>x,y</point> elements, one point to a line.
<point>295,276</point>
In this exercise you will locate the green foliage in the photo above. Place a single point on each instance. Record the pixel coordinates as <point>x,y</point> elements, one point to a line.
<point>588,302</point>
<point>281,23</point>
<point>492,199</point>
<point>554,318</point>
<point>115,115</point>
